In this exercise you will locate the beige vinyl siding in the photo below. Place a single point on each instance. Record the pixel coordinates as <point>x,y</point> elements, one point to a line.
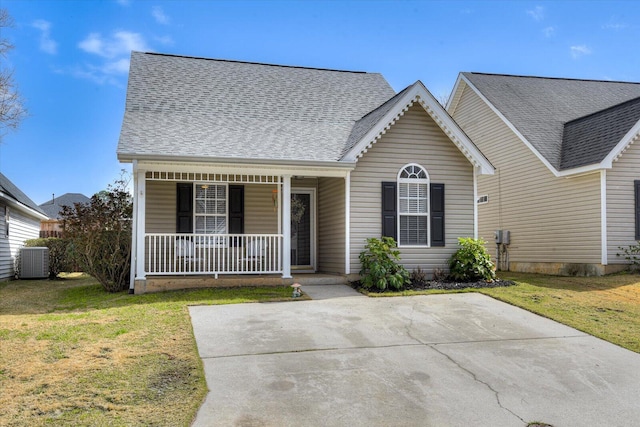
<point>331,231</point>
<point>414,138</point>
<point>620,202</point>
<point>260,217</point>
<point>259,214</point>
<point>551,219</point>
<point>21,227</point>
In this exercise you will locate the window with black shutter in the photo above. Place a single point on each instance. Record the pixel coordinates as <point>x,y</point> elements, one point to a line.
<point>389,210</point>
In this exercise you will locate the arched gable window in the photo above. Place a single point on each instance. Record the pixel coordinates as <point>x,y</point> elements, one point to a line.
<point>413,206</point>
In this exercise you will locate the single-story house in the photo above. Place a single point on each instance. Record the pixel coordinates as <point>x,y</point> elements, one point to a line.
<point>52,227</point>
<point>567,181</point>
<point>19,221</point>
<point>246,168</point>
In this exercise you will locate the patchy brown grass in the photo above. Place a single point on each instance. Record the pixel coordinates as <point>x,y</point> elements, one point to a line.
<point>71,354</point>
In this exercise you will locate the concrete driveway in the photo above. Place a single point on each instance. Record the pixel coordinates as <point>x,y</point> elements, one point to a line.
<point>438,360</point>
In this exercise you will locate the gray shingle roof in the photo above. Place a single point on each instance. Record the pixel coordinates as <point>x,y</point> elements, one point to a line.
<point>540,107</point>
<point>589,139</point>
<point>53,207</point>
<point>14,192</point>
<point>195,107</point>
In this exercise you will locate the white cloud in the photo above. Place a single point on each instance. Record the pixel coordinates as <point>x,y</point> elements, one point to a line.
<point>121,43</point>
<point>115,51</point>
<point>537,13</point>
<point>616,26</point>
<point>578,51</point>
<point>159,15</point>
<point>549,31</point>
<point>47,44</point>
<point>165,40</point>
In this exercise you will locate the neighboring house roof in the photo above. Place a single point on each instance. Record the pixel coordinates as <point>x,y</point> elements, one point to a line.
<point>53,207</point>
<point>205,109</point>
<point>552,114</point>
<point>12,194</point>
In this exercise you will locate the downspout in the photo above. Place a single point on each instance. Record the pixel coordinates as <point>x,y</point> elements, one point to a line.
<point>603,217</point>
<point>475,202</point>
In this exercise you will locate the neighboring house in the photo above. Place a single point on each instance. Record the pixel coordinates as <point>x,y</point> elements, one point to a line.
<point>244,168</point>
<point>19,221</point>
<point>567,181</point>
<point>52,227</point>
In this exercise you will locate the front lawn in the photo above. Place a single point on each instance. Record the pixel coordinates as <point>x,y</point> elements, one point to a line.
<point>71,354</point>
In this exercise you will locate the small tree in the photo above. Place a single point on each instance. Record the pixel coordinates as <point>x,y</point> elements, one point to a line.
<point>12,109</point>
<point>380,265</point>
<point>471,262</point>
<point>99,235</point>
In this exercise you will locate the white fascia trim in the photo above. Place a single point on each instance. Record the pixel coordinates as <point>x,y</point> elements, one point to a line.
<point>347,224</point>
<point>603,217</point>
<point>328,169</point>
<point>456,94</point>
<point>419,93</point>
<point>512,127</point>
<point>21,207</point>
<point>622,146</point>
<point>475,203</point>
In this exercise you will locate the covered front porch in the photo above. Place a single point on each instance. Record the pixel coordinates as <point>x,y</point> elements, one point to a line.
<point>207,225</point>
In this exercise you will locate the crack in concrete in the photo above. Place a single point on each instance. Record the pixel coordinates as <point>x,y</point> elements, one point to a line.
<point>478,380</point>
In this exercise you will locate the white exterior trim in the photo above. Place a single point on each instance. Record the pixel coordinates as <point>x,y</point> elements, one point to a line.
<point>347,224</point>
<point>286,226</point>
<point>9,200</point>
<point>134,229</point>
<point>606,163</point>
<point>140,194</point>
<point>475,203</point>
<point>603,216</point>
<point>418,93</point>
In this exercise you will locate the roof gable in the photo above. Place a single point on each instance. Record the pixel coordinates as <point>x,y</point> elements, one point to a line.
<point>538,108</point>
<point>15,195</point>
<point>53,207</point>
<point>211,109</point>
<point>380,120</point>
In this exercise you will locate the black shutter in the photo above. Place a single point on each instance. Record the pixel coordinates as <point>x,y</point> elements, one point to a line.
<point>236,209</point>
<point>389,210</point>
<point>437,215</point>
<point>184,210</point>
<point>636,184</point>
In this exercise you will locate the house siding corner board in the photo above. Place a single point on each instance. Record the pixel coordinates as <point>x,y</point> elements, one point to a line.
<point>414,138</point>
<point>551,219</point>
<point>331,232</point>
<point>620,203</point>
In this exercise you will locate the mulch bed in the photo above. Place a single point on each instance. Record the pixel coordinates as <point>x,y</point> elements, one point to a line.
<point>448,285</point>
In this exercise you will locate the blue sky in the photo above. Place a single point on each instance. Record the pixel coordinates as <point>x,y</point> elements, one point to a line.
<point>71,58</point>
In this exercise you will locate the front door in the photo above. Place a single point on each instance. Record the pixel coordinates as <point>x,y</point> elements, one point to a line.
<point>303,229</point>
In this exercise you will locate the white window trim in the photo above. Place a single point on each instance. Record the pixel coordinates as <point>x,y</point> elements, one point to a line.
<point>226,207</point>
<point>426,181</point>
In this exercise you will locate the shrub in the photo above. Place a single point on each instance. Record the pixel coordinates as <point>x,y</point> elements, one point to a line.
<point>418,277</point>
<point>57,253</point>
<point>631,254</point>
<point>99,234</point>
<point>471,262</point>
<point>380,267</point>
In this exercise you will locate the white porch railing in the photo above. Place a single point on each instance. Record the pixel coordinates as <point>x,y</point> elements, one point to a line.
<point>167,254</point>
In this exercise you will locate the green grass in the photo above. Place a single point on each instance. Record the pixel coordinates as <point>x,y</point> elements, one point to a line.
<point>71,354</point>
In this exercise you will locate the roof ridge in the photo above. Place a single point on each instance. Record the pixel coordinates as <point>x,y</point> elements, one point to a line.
<point>253,63</point>
<point>551,78</point>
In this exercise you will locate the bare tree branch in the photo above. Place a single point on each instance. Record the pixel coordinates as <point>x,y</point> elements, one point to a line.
<point>12,109</point>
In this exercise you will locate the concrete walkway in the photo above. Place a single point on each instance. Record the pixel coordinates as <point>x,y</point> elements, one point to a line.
<point>439,360</point>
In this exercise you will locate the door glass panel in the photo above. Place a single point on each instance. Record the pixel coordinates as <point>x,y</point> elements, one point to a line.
<point>300,229</point>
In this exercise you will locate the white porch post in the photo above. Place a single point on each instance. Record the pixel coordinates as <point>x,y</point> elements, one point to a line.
<point>286,226</point>
<point>134,229</point>
<point>347,223</point>
<point>140,223</point>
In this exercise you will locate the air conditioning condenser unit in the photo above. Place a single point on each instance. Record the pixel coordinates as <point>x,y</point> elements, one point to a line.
<point>34,263</point>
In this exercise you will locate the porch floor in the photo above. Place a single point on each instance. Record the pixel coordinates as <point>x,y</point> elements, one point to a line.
<point>169,283</point>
